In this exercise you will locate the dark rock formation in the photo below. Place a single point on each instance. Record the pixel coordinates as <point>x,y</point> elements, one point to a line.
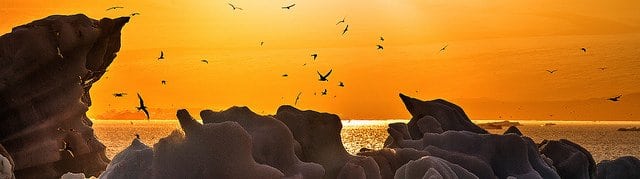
<point>6,164</point>
<point>46,70</point>
<point>485,155</point>
<point>273,143</point>
<point>432,167</point>
<point>623,167</point>
<point>570,159</point>
<point>213,150</point>
<point>133,162</point>
<point>442,116</point>
<point>389,160</point>
<point>513,130</point>
<point>319,137</point>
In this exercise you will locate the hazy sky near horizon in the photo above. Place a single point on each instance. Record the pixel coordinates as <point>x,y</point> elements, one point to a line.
<point>496,51</point>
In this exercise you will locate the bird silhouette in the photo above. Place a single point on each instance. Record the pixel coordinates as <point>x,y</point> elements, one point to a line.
<point>324,78</point>
<point>552,71</point>
<point>297,98</point>
<point>315,55</point>
<point>119,94</point>
<point>305,64</point>
<point>135,14</point>
<point>324,92</point>
<point>285,75</point>
<point>381,38</point>
<point>341,84</point>
<point>380,47</point>
<point>444,48</point>
<point>234,7</point>
<point>142,106</point>
<point>66,148</point>
<point>261,43</point>
<point>288,7</point>
<point>345,29</point>
<point>584,49</point>
<point>164,82</point>
<point>115,7</point>
<point>161,55</point>
<point>205,61</point>
<point>341,21</point>
<point>137,136</point>
<point>615,99</point>
<point>602,68</point>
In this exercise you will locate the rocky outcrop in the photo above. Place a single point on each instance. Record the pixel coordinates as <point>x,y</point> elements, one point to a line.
<point>432,167</point>
<point>623,167</point>
<point>6,164</point>
<point>133,162</point>
<point>47,68</point>
<point>570,159</point>
<point>436,116</point>
<point>212,150</point>
<point>390,160</point>
<point>319,137</point>
<point>485,155</point>
<point>272,142</point>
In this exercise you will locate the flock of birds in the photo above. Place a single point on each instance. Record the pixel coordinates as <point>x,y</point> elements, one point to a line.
<point>314,56</point>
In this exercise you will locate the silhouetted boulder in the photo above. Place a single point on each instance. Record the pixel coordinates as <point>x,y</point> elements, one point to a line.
<point>389,160</point>
<point>131,163</point>
<point>319,137</point>
<point>436,116</point>
<point>513,130</point>
<point>570,159</point>
<point>623,167</point>
<point>432,167</point>
<point>47,68</point>
<point>272,142</point>
<point>213,150</point>
<point>485,155</point>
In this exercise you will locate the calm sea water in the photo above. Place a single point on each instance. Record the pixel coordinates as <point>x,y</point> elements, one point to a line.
<point>600,138</point>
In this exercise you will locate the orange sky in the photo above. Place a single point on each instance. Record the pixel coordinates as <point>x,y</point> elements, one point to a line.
<point>496,57</point>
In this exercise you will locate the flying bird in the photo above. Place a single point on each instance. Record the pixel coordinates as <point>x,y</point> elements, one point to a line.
<point>137,136</point>
<point>602,68</point>
<point>285,75</point>
<point>234,7</point>
<point>324,78</point>
<point>552,71</point>
<point>297,98</point>
<point>380,47</point>
<point>324,92</point>
<point>135,14</point>
<point>341,21</point>
<point>341,84</point>
<point>615,99</point>
<point>315,55</point>
<point>345,29</point>
<point>142,106</point>
<point>584,49</point>
<point>261,43</point>
<point>444,48</point>
<point>288,7</point>
<point>115,7</point>
<point>205,61</point>
<point>66,148</point>
<point>381,38</point>
<point>164,82</point>
<point>161,55</point>
<point>119,94</point>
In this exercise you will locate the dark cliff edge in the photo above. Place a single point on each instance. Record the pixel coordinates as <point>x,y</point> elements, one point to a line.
<point>47,68</point>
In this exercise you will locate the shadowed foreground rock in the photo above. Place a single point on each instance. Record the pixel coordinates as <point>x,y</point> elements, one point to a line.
<point>47,68</point>
<point>320,142</point>
<point>432,167</point>
<point>133,162</point>
<point>623,167</point>
<point>272,142</point>
<point>570,159</point>
<point>6,164</point>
